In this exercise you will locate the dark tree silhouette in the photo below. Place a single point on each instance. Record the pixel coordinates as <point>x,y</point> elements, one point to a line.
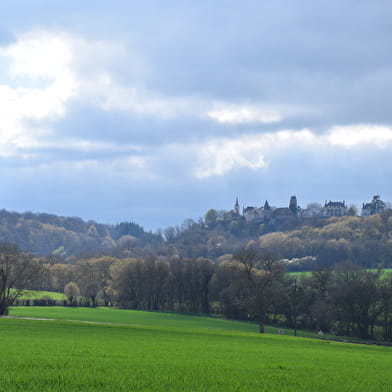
<point>17,272</point>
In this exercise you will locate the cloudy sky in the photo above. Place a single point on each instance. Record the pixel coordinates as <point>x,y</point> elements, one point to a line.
<point>156,111</point>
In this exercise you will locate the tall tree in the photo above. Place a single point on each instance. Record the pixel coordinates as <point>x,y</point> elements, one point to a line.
<point>211,216</point>
<point>17,272</point>
<point>264,276</point>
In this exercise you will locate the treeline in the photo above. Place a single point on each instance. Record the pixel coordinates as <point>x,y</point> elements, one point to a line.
<point>252,284</point>
<point>70,237</point>
<point>364,241</point>
<point>309,244</point>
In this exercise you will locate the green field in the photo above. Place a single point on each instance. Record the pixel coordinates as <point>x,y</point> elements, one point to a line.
<point>179,353</point>
<point>147,319</point>
<point>31,294</point>
<point>133,318</point>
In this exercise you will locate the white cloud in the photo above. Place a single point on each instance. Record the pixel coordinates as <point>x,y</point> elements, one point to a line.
<point>48,69</point>
<point>223,155</point>
<point>44,59</point>
<point>219,158</point>
<point>254,152</point>
<point>39,54</point>
<point>239,114</point>
<point>359,135</point>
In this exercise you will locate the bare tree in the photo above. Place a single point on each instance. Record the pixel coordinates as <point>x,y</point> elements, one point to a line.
<point>264,276</point>
<point>17,272</point>
<point>312,210</point>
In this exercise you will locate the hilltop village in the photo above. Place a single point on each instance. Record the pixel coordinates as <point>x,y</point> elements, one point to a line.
<point>314,210</point>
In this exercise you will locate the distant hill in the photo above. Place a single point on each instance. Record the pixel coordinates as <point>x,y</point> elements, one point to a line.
<point>46,234</point>
<point>306,244</point>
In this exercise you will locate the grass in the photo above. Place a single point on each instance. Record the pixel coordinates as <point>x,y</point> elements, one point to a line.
<point>147,319</point>
<point>301,273</point>
<point>178,355</point>
<point>132,317</point>
<point>385,272</point>
<point>31,294</point>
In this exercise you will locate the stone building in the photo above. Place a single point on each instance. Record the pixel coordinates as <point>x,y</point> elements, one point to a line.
<point>334,208</point>
<point>253,213</point>
<point>233,214</point>
<point>280,215</point>
<point>374,207</point>
<point>267,214</point>
<point>293,206</point>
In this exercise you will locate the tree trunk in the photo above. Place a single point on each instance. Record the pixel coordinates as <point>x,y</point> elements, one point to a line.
<point>3,310</point>
<point>261,326</point>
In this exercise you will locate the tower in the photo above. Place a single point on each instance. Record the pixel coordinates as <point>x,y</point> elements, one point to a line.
<point>293,205</point>
<point>236,206</point>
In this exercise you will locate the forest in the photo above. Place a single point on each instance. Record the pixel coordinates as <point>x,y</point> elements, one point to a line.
<point>305,244</point>
<point>251,284</point>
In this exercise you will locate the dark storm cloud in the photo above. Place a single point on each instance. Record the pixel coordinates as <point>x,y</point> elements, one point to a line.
<point>324,54</point>
<point>318,54</point>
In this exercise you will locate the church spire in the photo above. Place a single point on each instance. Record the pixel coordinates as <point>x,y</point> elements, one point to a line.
<point>236,206</point>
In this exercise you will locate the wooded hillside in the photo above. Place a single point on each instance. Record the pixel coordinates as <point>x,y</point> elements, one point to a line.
<point>46,234</point>
<point>306,244</point>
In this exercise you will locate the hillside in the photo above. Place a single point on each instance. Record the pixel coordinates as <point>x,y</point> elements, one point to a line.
<point>306,244</point>
<point>366,242</point>
<point>46,234</point>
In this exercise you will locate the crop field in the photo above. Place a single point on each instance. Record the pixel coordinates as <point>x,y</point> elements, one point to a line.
<point>175,355</point>
<point>147,319</point>
<point>133,318</point>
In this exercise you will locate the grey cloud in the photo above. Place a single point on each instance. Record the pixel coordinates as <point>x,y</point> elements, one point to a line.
<point>110,195</point>
<point>330,59</point>
<point>120,127</point>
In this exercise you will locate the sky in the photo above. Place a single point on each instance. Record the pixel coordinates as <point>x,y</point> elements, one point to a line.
<point>156,111</point>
